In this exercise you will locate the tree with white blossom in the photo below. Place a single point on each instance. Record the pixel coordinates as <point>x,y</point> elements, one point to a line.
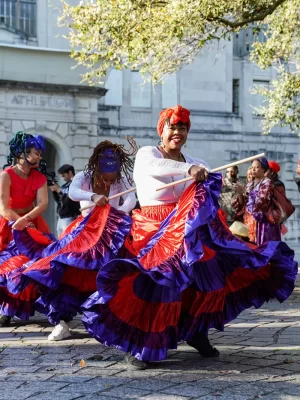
<point>159,37</point>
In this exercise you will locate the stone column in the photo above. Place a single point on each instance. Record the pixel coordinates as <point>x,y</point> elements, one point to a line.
<point>84,130</point>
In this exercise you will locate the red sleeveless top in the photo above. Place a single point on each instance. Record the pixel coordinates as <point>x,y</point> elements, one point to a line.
<point>23,191</point>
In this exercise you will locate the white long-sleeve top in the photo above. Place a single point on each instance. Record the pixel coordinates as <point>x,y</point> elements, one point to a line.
<point>81,190</point>
<point>152,170</point>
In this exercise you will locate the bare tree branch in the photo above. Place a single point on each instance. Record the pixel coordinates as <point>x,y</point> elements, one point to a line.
<point>259,15</point>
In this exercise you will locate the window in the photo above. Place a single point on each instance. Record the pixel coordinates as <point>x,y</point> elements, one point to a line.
<point>235,96</point>
<point>257,100</point>
<point>19,16</point>
<point>244,39</point>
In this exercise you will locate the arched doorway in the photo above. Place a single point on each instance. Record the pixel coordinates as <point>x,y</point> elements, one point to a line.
<point>50,214</point>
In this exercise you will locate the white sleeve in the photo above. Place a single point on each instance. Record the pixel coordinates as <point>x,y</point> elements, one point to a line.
<point>149,163</point>
<point>129,199</point>
<point>197,161</point>
<point>76,191</point>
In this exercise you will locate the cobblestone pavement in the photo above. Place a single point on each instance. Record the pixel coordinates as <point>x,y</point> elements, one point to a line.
<point>260,358</point>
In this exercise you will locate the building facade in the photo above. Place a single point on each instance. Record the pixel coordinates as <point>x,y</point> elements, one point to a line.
<point>40,92</point>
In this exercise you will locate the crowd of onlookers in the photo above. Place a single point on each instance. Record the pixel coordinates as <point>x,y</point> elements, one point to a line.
<point>257,208</point>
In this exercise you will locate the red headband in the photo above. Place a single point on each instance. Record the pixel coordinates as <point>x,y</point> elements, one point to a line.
<point>174,114</point>
<point>274,166</point>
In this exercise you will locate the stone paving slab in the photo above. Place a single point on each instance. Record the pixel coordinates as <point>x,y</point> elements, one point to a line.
<point>260,359</point>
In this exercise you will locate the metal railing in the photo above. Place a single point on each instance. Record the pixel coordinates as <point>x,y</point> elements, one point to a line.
<point>19,16</point>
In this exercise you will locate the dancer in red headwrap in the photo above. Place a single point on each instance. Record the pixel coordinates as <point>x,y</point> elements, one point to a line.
<point>187,272</point>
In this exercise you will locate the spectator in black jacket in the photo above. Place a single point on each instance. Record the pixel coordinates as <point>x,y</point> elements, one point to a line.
<point>67,209</point>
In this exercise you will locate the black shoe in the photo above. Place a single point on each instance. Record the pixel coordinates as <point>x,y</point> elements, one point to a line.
<point>201,343</point>
<point>134,363</point>
<point>4,321</point>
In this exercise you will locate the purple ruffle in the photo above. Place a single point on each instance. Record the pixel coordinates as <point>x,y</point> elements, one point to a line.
<point>28,246</point>
<point>5,255</point>
<point>17,308</point>
<point>62,304</point>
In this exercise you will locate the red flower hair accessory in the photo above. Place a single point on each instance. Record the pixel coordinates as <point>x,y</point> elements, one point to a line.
<point>274,166</point>
<point>174,114</point>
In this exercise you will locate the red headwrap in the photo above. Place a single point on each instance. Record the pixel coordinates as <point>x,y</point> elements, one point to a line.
<point>175,114</point>
<point>274,166</point>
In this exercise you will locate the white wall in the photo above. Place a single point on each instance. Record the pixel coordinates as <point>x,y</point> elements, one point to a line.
<point>31,65</point>
<point>49,35</point>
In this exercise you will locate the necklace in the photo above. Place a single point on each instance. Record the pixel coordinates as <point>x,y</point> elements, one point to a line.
<point>180,159</point>
<point>19,171</point>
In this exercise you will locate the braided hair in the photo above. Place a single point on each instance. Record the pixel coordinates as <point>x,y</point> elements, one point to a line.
<point>21,144</point>
<point>126,162</point>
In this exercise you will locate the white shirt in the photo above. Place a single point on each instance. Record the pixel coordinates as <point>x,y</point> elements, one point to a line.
<point>152,170</point>
<point>81,190</point>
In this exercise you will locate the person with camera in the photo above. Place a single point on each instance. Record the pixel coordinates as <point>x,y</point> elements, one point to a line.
<point>230,189</point>
<point>67,209</point>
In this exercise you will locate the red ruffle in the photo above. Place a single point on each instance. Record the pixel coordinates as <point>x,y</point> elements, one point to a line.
<point>145,223</point>
<point>172,239</point>
<point>13,263</point>
<point>148,317</point>
<point>157,317</point>
<point>37,232</point>
<point>83,280</point>
<point>197,303</point>
<point>88,238</point>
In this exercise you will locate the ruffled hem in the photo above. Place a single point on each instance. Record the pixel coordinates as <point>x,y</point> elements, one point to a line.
<point>21,306</point>
<point>12,260</point>
<point>141,319</point>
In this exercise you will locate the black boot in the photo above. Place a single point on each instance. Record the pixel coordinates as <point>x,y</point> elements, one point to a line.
<point>134,363</point>
<point>4,321</point>
<point>201,343</point>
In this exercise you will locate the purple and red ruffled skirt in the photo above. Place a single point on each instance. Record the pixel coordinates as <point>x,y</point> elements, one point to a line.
<point>184,273</point>
<point>21,304</point>
<point>66,270</point>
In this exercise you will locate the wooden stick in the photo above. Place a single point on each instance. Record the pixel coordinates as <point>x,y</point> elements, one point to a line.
<point>213,170</point>
<point>183,180</point>
<point>110,198</point>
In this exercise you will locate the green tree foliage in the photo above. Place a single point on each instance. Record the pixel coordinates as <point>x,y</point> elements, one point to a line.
<point>159,37</point>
